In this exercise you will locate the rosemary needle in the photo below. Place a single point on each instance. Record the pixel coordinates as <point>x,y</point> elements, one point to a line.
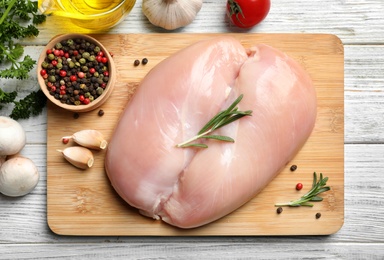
<point>221,119</point>
<point>317,188</point>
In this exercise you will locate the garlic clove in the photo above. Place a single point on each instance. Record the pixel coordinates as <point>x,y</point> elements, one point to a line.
<point>171,14</point>
<point>78,156</point>
<point>91,139</point>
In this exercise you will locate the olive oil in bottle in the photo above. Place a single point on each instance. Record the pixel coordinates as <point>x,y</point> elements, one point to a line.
<point>90,14</point>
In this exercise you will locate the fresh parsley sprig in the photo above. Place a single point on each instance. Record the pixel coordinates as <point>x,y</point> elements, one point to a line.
<point>13,26</point>
<point>18,20</point>
<point>221,119</point>
<point>312,195</point>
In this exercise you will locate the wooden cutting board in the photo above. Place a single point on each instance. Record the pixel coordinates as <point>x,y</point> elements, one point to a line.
<point>83,202</point>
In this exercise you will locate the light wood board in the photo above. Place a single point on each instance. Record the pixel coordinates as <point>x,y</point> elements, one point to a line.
<point>83,202</point>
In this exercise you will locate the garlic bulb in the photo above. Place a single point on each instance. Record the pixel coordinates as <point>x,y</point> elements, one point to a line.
<point>171,14</point>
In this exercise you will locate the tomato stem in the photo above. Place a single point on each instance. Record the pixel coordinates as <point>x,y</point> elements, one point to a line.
<point>235,9</point>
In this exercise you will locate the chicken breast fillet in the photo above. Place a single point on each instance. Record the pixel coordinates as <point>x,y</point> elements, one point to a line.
<point>190,187</point>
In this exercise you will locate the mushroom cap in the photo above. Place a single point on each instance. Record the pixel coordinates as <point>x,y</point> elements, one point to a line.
<point>18,176</point>
<point>12,136</point>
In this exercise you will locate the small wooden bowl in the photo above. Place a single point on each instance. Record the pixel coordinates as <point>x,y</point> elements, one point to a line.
<point>82,107</point>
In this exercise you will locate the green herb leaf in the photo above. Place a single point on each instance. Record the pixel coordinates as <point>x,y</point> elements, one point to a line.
<point>219,138</point>
<point>195,145</point>
<point>32,104</point>
<point>221,119</point>
<point>18,20</point>
<point>317,188</point>
<point>7,97</point>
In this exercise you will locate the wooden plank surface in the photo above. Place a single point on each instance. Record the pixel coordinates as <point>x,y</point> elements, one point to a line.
<point>83,203</point>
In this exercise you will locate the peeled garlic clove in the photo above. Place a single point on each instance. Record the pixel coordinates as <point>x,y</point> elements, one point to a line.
<point>171,14</point>
<point>78,156</point>
<point>91,139</point>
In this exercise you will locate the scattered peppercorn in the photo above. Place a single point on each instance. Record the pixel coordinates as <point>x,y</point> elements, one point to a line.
<point>299,186</point>
<point>293,168</point>
<point>144,61</point>
<point>65,140</point>
<point>279,210</point>
<point>101,112</point>
<point>136,63</point>
<point>76,115</point>
<point>318,215</point>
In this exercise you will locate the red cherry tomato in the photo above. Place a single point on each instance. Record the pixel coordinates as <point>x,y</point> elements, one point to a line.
<point>247,13</point>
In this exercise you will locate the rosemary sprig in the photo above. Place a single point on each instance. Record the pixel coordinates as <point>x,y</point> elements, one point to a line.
<point>317,188</point>
<point>221,119</point>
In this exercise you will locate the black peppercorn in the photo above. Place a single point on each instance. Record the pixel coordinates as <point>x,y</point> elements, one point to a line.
<point>136,63</point>
<point>318,215</point>
<point>293,168</point>
<point>144,61</point>
<point>76,115</point>
<point>279,210</point>
<point>101,112</point>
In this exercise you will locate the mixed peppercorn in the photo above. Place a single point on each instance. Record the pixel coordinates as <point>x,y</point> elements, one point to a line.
<point>75,71</point>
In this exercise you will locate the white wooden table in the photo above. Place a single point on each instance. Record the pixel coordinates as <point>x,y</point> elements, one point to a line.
<point>24,233</point>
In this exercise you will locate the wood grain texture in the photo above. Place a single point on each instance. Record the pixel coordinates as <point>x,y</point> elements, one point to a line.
<point>83,203</point>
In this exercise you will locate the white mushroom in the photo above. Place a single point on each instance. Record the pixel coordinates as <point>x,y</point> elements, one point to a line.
<point>171,14</point>
<point>18,176</point>
<point>12,137</point>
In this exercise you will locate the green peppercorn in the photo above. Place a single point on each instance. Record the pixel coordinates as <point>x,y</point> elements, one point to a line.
<point>44,64</point>
<point>86,55</point>
<point>84,68</point>
<point>82,61</point>
<point>96,74</point>
<point>52,78</point>
<point>59,65</point>
<point>92,58</point>
<point>77,102</point>
<point>51,56</point>
<point>58,45</point>
<point>77,64</point>
<point>99,91</point>
<point>96,49</point>
<point>87,95</point>
<point>91,98</point>
<point>70,42</point>
<point>71,64</point>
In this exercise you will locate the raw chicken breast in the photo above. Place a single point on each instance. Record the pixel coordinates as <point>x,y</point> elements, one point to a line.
<point>190,187</point>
